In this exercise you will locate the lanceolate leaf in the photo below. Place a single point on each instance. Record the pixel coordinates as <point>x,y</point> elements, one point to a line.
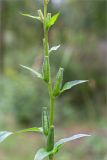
<point>6,134</point>
<point>65,140</point>
<point>71,84</point>
<point>30,16</point>
<point>34,129</point>
<point>33,71</point>
<point>54,48</point>
<point>52,20</point>
<point>42,153</point>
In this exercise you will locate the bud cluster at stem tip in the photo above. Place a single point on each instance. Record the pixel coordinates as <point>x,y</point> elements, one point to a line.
<point>46,1</point>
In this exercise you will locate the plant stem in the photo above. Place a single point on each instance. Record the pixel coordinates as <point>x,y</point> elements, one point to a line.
<point>46,50</point>
<point>47,54</point>
<point>51,157</point>
<point>45,30</point>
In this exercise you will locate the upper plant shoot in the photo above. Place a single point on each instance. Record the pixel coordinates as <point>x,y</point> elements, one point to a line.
<point>55,89</point>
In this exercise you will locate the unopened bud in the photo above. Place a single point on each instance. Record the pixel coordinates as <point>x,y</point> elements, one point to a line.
<point>50,139</point>
<point>45,69</point>
<point>46,1</point>
<point>58,82</point>
<point>45,121</point>
<point>41,15</point>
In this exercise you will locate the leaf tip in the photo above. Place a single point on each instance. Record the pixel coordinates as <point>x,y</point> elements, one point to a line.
<point>4,135</point>
<point>21,65</point>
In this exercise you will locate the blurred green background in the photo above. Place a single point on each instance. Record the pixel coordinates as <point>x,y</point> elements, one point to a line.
<point>81,31</point>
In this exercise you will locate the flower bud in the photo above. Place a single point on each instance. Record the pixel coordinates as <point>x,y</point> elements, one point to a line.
<point>41,15</point>
<point>58,82</point>
<point>50,139</point>
<point>48,17</point>
<point>46,1</point>
<point>45,69</point>
<point>45,121</point>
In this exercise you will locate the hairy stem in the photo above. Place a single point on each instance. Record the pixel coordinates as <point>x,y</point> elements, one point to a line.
<point>46,50</point>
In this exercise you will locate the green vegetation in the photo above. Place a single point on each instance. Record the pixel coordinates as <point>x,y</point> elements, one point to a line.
<point>81,31</point>
<point>48,117</point>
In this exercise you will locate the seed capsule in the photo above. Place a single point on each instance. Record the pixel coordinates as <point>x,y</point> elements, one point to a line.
<point>45,69</point>
<point>45,121</point>
<point>45,45</point>
<point>50,140</point>
<point>58,82</point>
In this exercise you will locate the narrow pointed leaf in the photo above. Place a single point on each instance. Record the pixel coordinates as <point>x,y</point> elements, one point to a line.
<point>52,20</point>
<point>42,153</point>
<point>71,84</point>
<point>59,144</point>
<point>4,135</point>
<point>30,16</point>
<point>34,129</point>
<point>33,71</point>
<point>54,48</point>
<point>74,137</point>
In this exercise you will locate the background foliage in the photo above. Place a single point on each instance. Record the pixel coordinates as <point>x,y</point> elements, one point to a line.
<point>81,31</point>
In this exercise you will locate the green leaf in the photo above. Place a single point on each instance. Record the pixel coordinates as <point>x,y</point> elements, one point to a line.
<point>65,140</point>
<point>52,21</point>
<point>33,71</point>
<point>34,129</point>
<point>54,48</point>
<point>71,84</point>
<point>42,153</point>
<point>6,134</point>
<point>30,16</point>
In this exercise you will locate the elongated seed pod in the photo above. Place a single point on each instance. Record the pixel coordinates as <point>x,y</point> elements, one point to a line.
<point>45,69</point>
<point>45,121</point>
<point>45,45</point>
<point>58,82</point>
<point>50,139</point>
